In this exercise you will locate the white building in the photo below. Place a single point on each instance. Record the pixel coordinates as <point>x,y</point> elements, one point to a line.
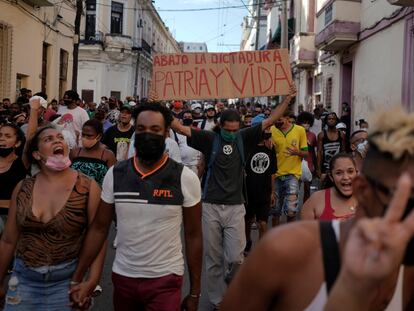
<point>368,54</point>
<point>119,39</point>
<point>193,47</point>
<point>253,24</point>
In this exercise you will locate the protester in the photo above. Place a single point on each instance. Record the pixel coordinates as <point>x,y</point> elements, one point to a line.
<point>373,253</point>
<point>114,112</point>
<point>336,201</point>
<point>118,137</point>
<point>291,148</point>
<point>225,151</point>
<point>91,110</point>
<point>277,269</point>
<point>330,142</point>
<point>210,122</point>
<point>197,111</point>
<point>80,116</point>
<point>306,120</point>
<point>359,147</point>
<point>260,167</point>
<point>191,158</point>
<point>48,218</point>
<point>101,114</point>
<point>247,122</point>
<point>149,265</point>
<point>316,128</point>
<point>92,159</point>
<point>177,109</point>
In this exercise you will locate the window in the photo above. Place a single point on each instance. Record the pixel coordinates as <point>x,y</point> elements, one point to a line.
<point>63,71</point>
<point>90,20</point>
<point>117,12</point>
<point>44,67</point>
<point>328,14</point>
<point>5,60</point>
<point>328,94</point>
<point>116,94</point>
<point>87,96</point>
<point>201,48</point>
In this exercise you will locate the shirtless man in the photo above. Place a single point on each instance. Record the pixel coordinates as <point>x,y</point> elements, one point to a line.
<point>290,270</point>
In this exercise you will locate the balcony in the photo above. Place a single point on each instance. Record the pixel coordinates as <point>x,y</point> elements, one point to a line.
<point>338,24</point>
<point>303,50</point>
<point>115,41</point>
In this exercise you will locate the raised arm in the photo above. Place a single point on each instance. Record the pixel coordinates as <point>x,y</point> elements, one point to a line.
<point>31,128</point>
<point>277,113</point>
<point>180,129</point>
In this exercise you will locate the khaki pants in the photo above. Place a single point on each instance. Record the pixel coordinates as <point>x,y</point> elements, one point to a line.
<point>224,243</point>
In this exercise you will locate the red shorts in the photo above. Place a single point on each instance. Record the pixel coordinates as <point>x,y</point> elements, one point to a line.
<point>157,294</point>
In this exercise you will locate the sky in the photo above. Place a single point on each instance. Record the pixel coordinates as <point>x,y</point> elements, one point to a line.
<point>220,29</point>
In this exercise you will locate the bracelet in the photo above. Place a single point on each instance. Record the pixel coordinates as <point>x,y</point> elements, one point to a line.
<point>73,283</point>
<point>195,295</point>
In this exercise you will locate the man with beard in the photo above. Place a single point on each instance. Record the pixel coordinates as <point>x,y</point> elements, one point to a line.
<point>209,123</point>
<point>305,257</point>
<point>330,142</point>
<point>291,147</point>
<point>152,196</point>
<point>225,151</point>
<point>118,137</point>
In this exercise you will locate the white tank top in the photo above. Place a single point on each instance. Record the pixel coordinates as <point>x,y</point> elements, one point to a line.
<point>396,303</point>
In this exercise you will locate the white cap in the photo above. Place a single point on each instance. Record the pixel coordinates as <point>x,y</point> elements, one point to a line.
<point>43,102</point>
<point>195,106</point>
<point>209,106</point>
<point>341,126</point>
<point>132,103</point>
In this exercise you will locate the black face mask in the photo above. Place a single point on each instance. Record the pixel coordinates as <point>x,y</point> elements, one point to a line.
<point>4,152</point>
<point>149,147</point>
<point>67,102</point>
<point>267,136</point>
<point>187,122</point>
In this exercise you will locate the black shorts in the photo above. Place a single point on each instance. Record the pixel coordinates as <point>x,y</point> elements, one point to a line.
<point>258,209</point>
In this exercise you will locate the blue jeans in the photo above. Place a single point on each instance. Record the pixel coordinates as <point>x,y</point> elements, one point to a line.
<point>41,288</point>
<point>287,191</point>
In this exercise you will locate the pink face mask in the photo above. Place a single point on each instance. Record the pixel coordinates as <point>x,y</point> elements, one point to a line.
<point>58,162</point>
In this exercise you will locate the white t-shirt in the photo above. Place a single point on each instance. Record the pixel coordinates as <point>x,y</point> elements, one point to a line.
<point>171,147</point>
<point>316,127</point>
<point>80,116</point>
<point>190,156</point>
<point>149,241</point>
<point>209,125</point>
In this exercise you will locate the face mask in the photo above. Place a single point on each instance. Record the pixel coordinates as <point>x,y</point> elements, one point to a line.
<point>5,152</point>
<point>267,136</point>
<point>361,148</point>
<point>58,162</point>
<point>149,147</point>
<point>89,143</point>
<point>187,122</point>
<point>227,136</point>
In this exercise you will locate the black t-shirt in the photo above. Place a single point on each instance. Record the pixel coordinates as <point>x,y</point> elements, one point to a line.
<point>117,141</point>
<point>226,181</point>
<point>9,180</point>
<point>260,166</point>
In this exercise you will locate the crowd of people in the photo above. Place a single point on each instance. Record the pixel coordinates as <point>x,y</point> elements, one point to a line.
<point>69,170</point>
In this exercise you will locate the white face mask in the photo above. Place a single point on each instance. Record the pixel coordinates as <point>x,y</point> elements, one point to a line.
<point>362,148</point>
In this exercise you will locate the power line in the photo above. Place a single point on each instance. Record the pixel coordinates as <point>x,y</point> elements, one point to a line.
<point>199,9</point>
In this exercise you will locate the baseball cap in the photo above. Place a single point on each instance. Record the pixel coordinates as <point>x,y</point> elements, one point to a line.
<point>341,126</point>
<point>209,106</point>
<point>126,107</point>
<point>196,106</point>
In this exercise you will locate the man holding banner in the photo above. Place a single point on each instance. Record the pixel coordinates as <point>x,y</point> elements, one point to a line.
<point>223,198</point>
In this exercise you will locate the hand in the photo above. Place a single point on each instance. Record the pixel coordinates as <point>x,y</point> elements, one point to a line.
<point>34,103</point>
<point>292,151</point>
<point>375,247</point>
<point>80,295</point>
<point>292,90</point>
<point>189,303</point>
<point>175,124</point>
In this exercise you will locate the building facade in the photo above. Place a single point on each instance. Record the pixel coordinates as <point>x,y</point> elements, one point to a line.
<point>36,45</point>
<point>193,47</point>
<point>118,41</point>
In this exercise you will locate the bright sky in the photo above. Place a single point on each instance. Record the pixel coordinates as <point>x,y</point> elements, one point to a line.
<point>220,29</point>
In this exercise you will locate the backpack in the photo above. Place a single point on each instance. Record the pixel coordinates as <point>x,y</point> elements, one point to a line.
<point>213,156</point>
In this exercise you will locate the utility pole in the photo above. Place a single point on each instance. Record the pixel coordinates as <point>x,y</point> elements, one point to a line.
<point>256,46</point>
<point>79,9</point>
<point>284,22</point>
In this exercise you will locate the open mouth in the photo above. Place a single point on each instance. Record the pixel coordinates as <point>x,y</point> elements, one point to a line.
<point>347,186</point>
<point>58,151</point>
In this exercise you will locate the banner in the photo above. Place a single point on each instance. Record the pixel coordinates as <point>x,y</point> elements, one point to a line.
<point>221,75</point>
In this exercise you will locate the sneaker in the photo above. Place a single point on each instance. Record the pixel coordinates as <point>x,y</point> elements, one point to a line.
<point>97,291</point>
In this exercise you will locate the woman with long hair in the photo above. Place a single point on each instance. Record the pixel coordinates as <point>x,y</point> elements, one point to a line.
<point>336,201</point>
<point>49,215</point>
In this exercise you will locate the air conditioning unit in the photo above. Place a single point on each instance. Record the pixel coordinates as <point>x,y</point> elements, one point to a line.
<point>402,2</point>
